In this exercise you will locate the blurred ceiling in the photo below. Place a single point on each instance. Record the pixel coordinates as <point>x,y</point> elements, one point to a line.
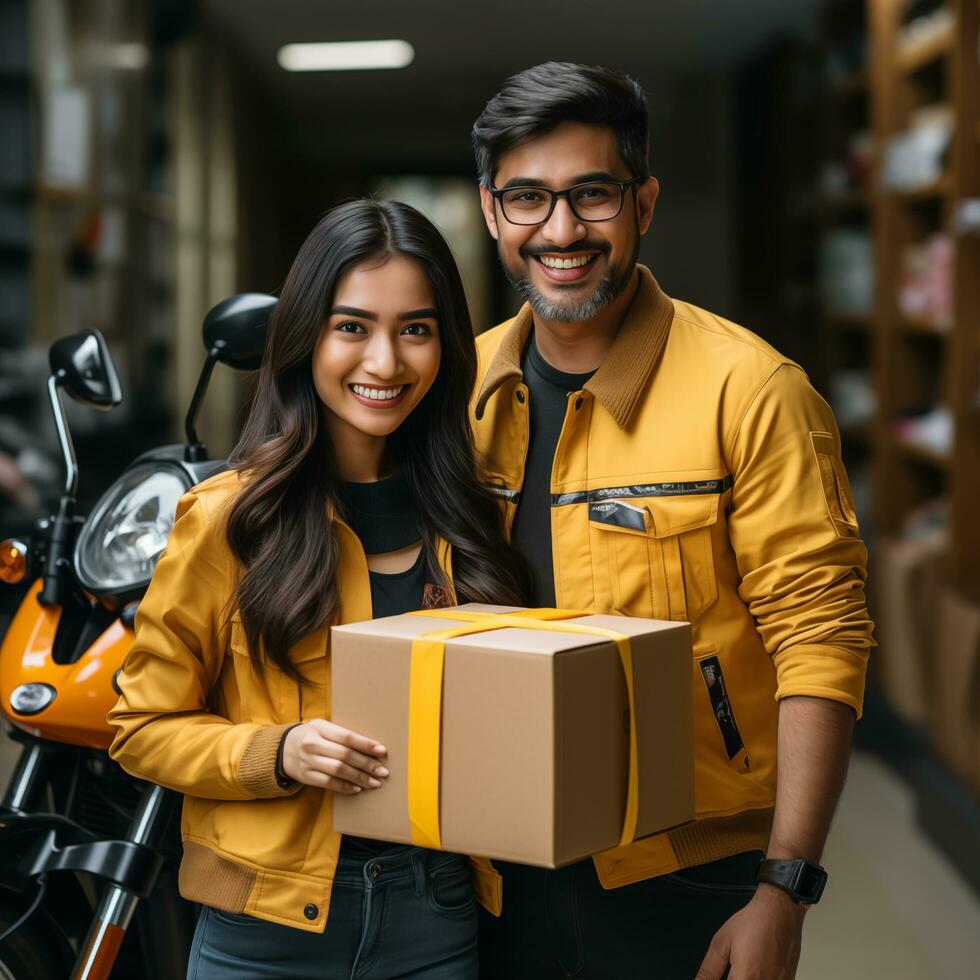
<point>464,50</point>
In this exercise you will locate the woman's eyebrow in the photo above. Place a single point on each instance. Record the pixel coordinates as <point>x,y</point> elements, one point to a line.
<point>426,313</point>
<point>353,311</point>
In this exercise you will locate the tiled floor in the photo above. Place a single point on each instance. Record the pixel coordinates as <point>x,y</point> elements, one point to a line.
<point>894,909</point>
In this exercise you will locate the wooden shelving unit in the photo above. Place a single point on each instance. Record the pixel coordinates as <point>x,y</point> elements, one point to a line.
<point>939,70</point>
<point>862,83</point>
<point>923,363</point>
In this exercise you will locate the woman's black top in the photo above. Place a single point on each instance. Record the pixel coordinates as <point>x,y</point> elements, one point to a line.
<point>384,516</point>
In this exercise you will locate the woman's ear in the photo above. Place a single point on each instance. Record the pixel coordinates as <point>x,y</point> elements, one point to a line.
<point>646,200</point>
<point>489,206</point>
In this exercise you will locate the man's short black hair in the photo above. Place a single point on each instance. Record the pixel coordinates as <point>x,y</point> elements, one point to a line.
<point>538,99</point>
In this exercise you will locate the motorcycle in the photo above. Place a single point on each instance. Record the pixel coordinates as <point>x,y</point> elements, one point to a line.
<point>85,848</point>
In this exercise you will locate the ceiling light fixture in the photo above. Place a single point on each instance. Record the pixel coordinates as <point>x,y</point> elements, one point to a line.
<point>345,55</point>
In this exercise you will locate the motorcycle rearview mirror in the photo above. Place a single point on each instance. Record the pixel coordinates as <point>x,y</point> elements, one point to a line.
<point>234,333</point>
<point>237,327</point>
<point>82,366</point>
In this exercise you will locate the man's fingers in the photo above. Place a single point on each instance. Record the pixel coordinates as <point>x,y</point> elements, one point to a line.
<point>715,961</point>
<point>336,733</point>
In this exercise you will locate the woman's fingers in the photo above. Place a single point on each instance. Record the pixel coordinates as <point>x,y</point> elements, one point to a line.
<point>336,733</point>
<point>340,770</point>
<point>320,753</point>
<point>319,746</point>
<point>323,781</point>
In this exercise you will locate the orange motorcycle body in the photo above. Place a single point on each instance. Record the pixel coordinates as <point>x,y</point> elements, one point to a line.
<point>85,691</point>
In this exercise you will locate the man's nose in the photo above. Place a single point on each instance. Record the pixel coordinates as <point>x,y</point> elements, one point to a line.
<point>563,228</point>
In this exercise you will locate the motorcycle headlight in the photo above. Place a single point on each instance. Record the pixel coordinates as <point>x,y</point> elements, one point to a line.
<point>119,545</point>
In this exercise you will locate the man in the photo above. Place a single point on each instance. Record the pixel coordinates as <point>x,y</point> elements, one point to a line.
<point>657,460</point>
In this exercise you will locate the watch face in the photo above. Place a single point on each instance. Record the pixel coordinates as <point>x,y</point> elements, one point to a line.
<point>811,882</point>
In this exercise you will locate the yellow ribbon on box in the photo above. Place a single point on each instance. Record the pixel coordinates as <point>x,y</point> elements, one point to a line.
<point>425,707</point>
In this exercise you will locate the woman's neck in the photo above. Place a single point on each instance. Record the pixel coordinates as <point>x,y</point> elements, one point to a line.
<point>359,456</point>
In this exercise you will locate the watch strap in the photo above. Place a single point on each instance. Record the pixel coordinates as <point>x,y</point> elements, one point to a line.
<point>801,879</point>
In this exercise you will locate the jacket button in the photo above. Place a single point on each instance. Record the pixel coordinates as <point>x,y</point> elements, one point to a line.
<point>311,911</point>
<point>520,396</point>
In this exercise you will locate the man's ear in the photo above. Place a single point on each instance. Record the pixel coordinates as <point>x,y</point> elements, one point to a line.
<point>646,200</point>
<point>489,206</point>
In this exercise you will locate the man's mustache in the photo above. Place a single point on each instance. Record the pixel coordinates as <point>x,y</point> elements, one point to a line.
<point>527,251</point>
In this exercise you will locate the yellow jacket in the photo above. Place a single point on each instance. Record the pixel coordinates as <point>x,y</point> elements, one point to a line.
<point>194,717</point>
<point>698,477</point>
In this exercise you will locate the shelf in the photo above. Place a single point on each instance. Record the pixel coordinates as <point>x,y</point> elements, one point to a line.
<point>914,57</point>
<point>920,327</point>
<point>923,193</point>
<point>923,455</point>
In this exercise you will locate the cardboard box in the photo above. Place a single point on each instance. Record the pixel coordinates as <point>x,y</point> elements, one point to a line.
<point>535,735</point>
<point>955,703</point>
<point>906,582</point>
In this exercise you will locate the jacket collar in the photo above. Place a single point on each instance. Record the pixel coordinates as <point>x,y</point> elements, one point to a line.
<point>627,367</point>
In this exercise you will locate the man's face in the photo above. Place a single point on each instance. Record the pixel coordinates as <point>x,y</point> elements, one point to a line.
<point>601,254</point>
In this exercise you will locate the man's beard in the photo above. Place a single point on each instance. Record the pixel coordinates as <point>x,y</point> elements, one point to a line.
<point>616,279</point>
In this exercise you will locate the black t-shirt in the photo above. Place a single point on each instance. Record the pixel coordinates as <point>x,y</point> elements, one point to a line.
<point>394,593</point>
<point>548,390</point>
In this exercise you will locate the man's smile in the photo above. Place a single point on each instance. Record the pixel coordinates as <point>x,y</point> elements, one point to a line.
<point>565,267</point>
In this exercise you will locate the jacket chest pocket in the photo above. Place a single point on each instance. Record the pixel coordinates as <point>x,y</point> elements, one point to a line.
<point>272,697</point>
<point>655,554</point>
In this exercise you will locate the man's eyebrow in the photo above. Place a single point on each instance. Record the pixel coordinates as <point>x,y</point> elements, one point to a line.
<point>426,313</point>
<point>352,311</point>
<point>538,182</point>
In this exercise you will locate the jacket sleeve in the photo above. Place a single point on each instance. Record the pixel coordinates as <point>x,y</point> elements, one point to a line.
<point>795,536</point>
<point>165,732</point>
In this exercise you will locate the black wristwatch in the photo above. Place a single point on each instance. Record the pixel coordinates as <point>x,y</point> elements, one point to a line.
<point>802,880</point>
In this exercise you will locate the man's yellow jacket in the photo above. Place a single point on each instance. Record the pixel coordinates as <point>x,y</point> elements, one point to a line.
<point>698,477</point>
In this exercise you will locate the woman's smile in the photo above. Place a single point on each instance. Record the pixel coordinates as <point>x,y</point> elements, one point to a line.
<point>379,396</point>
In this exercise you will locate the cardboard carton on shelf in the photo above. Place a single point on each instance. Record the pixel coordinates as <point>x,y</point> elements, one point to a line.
<point>954,717</point>
<point>515,742</point>
<point>906,582</point>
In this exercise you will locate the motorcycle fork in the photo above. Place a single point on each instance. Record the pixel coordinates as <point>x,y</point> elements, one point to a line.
<point>117,905</point>
<point>27,782</point>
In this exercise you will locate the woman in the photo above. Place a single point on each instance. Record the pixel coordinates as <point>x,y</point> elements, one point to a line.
<point>354,492</point>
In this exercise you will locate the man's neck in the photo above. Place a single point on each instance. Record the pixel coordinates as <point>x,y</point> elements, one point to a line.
<point>577,348</point>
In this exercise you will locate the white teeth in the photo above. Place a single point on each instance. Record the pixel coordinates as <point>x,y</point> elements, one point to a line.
<point>378,394</point>
<point>576,263</point>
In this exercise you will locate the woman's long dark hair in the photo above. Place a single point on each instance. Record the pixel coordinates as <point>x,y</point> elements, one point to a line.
<point>277,526</point>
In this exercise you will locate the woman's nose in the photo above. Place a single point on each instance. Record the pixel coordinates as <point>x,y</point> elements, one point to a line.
<point>381,358</point>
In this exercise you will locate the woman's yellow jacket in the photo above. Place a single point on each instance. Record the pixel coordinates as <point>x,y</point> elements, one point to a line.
<point>698,477</point>
<point>194,717</point>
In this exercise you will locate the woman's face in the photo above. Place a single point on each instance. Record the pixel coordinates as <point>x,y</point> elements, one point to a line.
<point>378,352</point>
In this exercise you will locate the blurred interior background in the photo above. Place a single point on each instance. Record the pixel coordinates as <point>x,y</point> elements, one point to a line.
<point>820,172</point>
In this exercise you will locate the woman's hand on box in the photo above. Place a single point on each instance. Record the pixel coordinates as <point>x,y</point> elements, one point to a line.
<point>320,753</point>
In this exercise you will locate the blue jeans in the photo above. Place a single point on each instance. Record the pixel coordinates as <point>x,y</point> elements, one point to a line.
<point>405,913</point>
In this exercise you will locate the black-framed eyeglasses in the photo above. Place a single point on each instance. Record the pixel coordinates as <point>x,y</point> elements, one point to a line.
<point>593,200</point>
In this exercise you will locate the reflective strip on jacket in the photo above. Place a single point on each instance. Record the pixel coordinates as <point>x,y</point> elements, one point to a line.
<point>698,477</point>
